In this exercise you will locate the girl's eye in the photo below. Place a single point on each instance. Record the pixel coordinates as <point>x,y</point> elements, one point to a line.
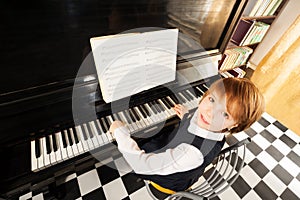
<point>226,115</point>
<point>211,99</point>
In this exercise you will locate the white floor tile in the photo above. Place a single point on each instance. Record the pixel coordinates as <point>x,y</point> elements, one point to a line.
<point>268,117</point>
<point>88,182</point>
<point>115,190</point>
<point>274,131</point>
<point>141,194</point>
<point>229,193</point>
<point>122,166</point>
<point>249,156</point>
<point>290,166</point>
<point>250,176</point>
<point>293,136</point>
<point>251,196</point>
<point>26,196</point>
<point>257,127</point>
<point>38,197</point>
<point>294,187</point>
<point>261,141</point>
<point>267,160</point>
<point>281,146</point>
<point>274,183</point>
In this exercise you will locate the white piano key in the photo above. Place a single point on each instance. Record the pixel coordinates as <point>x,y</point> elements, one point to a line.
<point>34,161</point>
<point>155,118</point>
<point>195,99</point>
<point>167,110</point>
<point>69,148</point>
<point>45,155</point>
<point>102,134</point>
<point>74,145</point>
<point>82,141</point>
<point>95,140</point>
<point>144,121</point>
<point>134,126</point>
<point>134,120</point>
<point>187,103</point>
<point>205,86</point>
<point>89,141</point>
<point>40,159</point>
<point>121,114</point>
<point>52,153</point>
<point>64,154</point>
<point>58,152</point>
<point>110,121</point>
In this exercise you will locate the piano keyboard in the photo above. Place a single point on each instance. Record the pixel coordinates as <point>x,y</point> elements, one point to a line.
<point>61,146</point>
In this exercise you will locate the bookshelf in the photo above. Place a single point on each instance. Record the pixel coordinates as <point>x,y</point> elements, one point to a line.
<point>252,27</point>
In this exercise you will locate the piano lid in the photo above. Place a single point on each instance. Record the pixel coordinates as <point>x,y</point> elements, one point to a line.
<point>44,42</point>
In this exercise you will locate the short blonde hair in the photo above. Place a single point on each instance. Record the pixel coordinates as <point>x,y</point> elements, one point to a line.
<point>244,101</point>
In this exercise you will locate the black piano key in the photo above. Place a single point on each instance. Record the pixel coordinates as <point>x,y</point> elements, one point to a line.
<point>98,128</point>
<point>37,148</point>
<point>142,111</point>
<point>192,93</point>
<point>118,117</point>
<point>102,125</point>
<point>161,108</point>
<point>186,95</point>
<point>164,100</point>
<point>170,102</point>
<point>63,139</point>
<point>89,130</point>
<point>152,106</point>
<point>202,88</point>
<point>113,118</point>
<point>146,110</point>
<point>106,122</point>
<point>136,114</point>
<point>197,92</point>
<point>131,115</point>
<point>174,98</point>
<point>181,99</point>
<point>75,135</point>
<point>136,118</point>
<point>127,116</point>
<point>48,148</point>
<point>69,137</point>
<point>54,142</point>
<point>84,133</point>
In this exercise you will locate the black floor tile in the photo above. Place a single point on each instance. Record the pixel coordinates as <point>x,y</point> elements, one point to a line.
<point>258,167</point>
<point>241,187</point>
<point>275,153</point>
<point>294,157</point>
<point>288,195</point>
<point>264,122</point>
<point>107,173</point>
<point>254,148</point>
<point>250,132</point>
<point>280,126</point>
<point>68,190</point>
<point>264,191</point>
<point>97,194</point>
<point>266,134</point>
<point>288,141</point>
<point>132,182</point>
<point>282,174</point>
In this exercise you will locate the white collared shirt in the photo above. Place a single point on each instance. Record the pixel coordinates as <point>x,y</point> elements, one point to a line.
<point>184,157</point>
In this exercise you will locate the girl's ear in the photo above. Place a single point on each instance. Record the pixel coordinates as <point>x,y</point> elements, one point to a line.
<point>233,126</point>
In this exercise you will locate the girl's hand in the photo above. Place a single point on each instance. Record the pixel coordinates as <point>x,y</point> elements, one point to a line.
<point>115,125</point>
<point>180,110</point>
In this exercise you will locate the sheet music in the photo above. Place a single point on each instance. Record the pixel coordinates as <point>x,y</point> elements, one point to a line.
<point>130,63</point>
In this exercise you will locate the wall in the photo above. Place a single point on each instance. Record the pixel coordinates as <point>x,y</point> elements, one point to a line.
<point>286,17</point>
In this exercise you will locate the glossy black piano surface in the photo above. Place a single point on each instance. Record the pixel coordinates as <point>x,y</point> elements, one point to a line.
<point>43,45</point>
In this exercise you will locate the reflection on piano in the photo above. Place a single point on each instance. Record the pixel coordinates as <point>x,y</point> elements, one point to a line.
<point>42,48</point>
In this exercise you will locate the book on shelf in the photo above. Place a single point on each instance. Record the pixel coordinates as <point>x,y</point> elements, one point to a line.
<point>234,57</point>
<point>265,7</point>
<point>256,33</point>
<point>242,31</point>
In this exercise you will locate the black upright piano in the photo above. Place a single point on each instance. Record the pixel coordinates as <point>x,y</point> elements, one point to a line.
<point>48,71</point>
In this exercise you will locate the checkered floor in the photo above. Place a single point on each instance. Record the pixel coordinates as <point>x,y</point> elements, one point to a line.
<point>271,171</point>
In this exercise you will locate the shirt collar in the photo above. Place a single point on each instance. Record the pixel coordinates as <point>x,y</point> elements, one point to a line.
<point>196,130</point>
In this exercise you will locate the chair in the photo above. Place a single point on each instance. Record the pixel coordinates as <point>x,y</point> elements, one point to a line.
<point>218,176</point>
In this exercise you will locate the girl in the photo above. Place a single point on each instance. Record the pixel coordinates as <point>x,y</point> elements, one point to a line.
<point>173,162</point>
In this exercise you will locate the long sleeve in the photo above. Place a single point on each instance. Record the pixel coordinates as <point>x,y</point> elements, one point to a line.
<point>181,158</point>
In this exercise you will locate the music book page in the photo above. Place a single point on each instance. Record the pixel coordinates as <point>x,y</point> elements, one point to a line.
<point>127,64</point>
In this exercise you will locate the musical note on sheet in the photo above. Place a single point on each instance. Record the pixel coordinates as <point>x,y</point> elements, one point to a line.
<point>130,63</point>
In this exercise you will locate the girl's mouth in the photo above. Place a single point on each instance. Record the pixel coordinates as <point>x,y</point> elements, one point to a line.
<point>202,118</point>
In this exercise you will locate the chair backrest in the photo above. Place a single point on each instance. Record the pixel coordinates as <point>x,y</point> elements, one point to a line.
<point>220,175</point>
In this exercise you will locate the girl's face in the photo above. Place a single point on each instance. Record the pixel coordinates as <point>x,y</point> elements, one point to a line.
<point>213,114</point>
